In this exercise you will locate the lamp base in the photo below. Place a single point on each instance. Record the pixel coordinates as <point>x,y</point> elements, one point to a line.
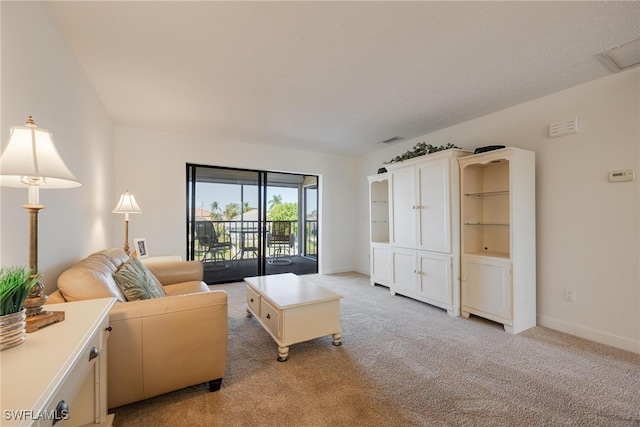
<point>35,299</point>
<point>45,318</point>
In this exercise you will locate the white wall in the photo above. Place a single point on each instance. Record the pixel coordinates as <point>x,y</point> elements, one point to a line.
<point>40,77</point>
<point>588,230</point>
<point>152,166</point>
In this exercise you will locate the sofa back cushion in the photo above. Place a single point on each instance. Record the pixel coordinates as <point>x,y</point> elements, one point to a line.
<point>92,277</point>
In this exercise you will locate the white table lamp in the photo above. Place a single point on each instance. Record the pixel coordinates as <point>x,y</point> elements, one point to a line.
<point>31,160</point>
<point>127,205</point>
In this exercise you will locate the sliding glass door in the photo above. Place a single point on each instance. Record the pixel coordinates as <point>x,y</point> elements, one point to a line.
<point>223,222</point>
<point>243,223</point>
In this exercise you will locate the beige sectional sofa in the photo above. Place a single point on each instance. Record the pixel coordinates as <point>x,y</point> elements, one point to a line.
<point>155,345</point>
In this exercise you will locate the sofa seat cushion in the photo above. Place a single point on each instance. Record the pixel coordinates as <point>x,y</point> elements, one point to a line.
<point>136,281</point>
<point>190,287</point>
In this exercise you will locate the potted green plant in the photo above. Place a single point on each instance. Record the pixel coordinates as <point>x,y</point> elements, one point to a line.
<point>15,284</point>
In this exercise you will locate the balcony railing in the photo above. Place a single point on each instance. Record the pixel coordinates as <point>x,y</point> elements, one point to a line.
<point>239,239</point>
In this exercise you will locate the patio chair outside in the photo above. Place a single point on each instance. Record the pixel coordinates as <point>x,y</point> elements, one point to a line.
<point>280,240</point>
<point>212,246</point>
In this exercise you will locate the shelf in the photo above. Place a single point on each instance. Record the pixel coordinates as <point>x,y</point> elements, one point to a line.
<point>489,193</point>
<point>488,254</point>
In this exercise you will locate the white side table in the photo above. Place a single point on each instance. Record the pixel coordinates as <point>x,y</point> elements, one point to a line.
<point>60,370</point>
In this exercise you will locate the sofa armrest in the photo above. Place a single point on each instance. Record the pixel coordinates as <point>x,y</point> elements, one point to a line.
<point>164,344</point>
<point>169,273</point>
<point>161,258</point>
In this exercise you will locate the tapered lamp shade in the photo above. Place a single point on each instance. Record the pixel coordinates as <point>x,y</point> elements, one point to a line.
<point>31,159</point>
<point>127,204</point>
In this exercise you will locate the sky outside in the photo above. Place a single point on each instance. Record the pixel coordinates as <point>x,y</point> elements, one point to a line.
<point>206,193</point>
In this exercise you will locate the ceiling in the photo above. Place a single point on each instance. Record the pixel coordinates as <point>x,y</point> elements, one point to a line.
<point>333,77</point>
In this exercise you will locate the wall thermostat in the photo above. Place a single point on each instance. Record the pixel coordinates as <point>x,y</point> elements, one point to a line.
<point>622,175</point>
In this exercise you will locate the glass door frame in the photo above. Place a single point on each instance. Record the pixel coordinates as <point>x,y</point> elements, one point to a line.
<point>263,182</point>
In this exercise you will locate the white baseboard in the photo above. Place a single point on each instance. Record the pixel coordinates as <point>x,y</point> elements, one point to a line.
<point>590,334</point>
<point>336,270</point>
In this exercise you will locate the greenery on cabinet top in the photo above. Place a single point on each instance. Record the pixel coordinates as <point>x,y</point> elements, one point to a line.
<point>420,149</point>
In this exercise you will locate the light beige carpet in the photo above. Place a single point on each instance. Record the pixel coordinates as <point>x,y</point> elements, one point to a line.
<point>404,363</point>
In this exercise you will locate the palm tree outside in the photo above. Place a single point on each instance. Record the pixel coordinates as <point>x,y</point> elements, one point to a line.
<point>275,200</point>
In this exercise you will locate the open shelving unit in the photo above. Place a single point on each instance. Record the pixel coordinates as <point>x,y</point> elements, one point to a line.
<point>486,210</point>
<point>379,229</point>
<point>379,208</point>
<point>498,262</point>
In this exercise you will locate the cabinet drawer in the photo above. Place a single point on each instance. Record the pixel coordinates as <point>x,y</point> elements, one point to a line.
<point>271,319</point>
<point>253,301</point>
<point>80,380</point>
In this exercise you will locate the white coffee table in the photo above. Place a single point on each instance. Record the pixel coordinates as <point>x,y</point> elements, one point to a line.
<point>293,310</point>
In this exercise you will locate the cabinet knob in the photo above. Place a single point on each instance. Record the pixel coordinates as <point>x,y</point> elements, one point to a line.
<point>251,300</point>
<point>268,316</point>
<point>93,353</point>
<point>108,329</point>
<point>62,412</point>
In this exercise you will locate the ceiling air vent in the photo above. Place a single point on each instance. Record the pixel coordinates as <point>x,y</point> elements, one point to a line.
<point>622,57</point>
<point>391,140</point>
<point>563,128</point>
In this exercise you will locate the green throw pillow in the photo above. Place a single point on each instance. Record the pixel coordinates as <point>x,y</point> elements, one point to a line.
<point>137,282</point>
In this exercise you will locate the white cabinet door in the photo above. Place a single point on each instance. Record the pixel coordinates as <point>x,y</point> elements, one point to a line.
<point>486,288</point>
<point>380,264</point>
<point>434,277</point>
<point>433,206</point>
<point>402,208</point>
<point>403,270</point>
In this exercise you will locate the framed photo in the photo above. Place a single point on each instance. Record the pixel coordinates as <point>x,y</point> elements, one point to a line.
<point>141,247</point>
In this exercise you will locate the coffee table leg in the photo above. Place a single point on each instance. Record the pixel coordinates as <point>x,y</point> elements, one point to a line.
<point>283,353</point>
<point>337,339</point>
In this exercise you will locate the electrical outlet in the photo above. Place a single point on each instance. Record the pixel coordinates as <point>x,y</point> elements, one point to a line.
<point>570,295</point>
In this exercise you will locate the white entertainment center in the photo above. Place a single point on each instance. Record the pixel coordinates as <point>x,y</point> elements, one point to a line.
<point>457,230</point>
